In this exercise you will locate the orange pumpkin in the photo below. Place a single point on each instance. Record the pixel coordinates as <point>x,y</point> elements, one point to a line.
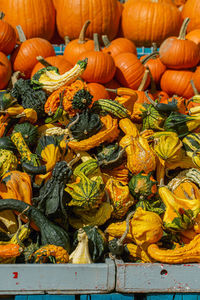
<point>179,53</point>
<point>129,70</point>
<point>57,61</point>
<point>78,46</point>
<point>100,67</point>
<point>103,14</point>
<point>98,91</point>
<point>8,36</point>
<point>5,70</point>
<point>191,9</point>
<point>117,46</point>
<point>36,17</point>
<point>145,22</point>
<point>194,36</point>
<point>24,56</point>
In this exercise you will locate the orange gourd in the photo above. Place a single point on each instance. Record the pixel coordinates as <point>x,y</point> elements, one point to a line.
<point>179,53</point>
<point>8,36</point>
<point>78,46</point>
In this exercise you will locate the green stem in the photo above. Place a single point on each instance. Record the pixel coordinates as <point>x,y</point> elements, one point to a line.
<point>2,15</point>
<point>81,39</point>
<point>106,41</point>
<point>96,42</point>
<point>43,61</point>
<point>21,34</point>
<point>194,87</point>
<point>183,29</point>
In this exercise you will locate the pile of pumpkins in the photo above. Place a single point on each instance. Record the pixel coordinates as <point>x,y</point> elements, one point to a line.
<point>99,149</point>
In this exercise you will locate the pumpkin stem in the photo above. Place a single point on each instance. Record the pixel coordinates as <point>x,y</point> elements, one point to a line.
<point>120,241</point>
<point>153,55</point>
<point>2,15</point>
<point>153,85</point>
<point>67,40</point>
<point>96,42</point>
<point>106,41</point>
<point>194,87</point>
<point>43,61</point>
<point>183,29</point>
<point>154,45</point>
<point>15,77</point>
<point>144,80</point>
<point>21,34</point>
<point>81,39</point>
<point>112,90</point>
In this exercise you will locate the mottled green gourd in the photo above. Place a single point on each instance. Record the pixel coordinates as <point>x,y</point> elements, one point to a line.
<point>8,161</point>
<point>82,99</point>
<point>142,186</point>
<point>110,156</point>
<point>85,192</point>
<point>29,132</point>
<point>112,107</point>
<point>151,117</point>
<point>6,100</point>
<point>85,125</point>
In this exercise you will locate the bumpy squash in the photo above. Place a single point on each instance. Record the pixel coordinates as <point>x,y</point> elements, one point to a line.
<point>8,161</point>
<point>50,253</point>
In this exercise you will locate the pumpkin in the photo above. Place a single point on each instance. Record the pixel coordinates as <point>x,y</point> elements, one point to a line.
<point>24,57</point>
<point>179,53</point>
<point>36,18</point>
<point>155,65</point>
<point>142,24</point>
<point>104,17</point>
<point>5,70</point>
<point>191,9</point>
<point>129,70</point>
<point>194,36</point>
<point>177,82</point>
<point>57,61</point>
<point>117,46</point>
<point>98,91</point>
<point>8,36</point>
<point>49,253</point>
<point>101,67</point>
<point>78,46</point>
<point>113,84</point>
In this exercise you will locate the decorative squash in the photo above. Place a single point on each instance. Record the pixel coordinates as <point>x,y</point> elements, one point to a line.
<point>112,107</point>
<point>28,131</point>
<point>8,161</point>
<point>179,53</point>
<point>50,253</point>
<point>129,70</point>
<point>10,251</point>
<point>37,22</point>
<point>135,252</point>
<point>50,80</point>
<point>101,66</point>
<point>118,46</point>
<point>8,36</point>
<point>120,198</point>
<point>142,186</point>
<point>81,254</point>
<point>137,16</point>
<point>180,255</point>
<point>24,57</point>
<point>104,17</point>
<point>5,70</point>
<point>57,61</point>
<point>78,46</point>
<point>191,143</point>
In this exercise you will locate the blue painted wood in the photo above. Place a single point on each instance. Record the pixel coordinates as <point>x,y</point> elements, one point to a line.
<point>113,296</point>
<point>172,297</point>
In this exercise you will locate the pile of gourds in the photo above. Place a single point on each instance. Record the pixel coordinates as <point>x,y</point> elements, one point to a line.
<point>100,150</point>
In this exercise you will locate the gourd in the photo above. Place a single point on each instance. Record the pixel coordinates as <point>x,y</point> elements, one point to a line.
<point>108,133</point>
<point>49,79</point>
<point>81,254</point>
<point>135,252</point>
<point>191,143</point>
<point>180,255</point>
<point>8,161</point>
<point>28,132</point>
<point>49,254</point>
<point>120,198</point>
<point>142,186</point>
<point>10,251</point>
<point>112,107</point>
<point>6,143</point>
<point>50,232</point>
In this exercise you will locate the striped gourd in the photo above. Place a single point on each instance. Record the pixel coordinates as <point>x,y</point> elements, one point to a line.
<point>192,146</point>
<point>111,106</point>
